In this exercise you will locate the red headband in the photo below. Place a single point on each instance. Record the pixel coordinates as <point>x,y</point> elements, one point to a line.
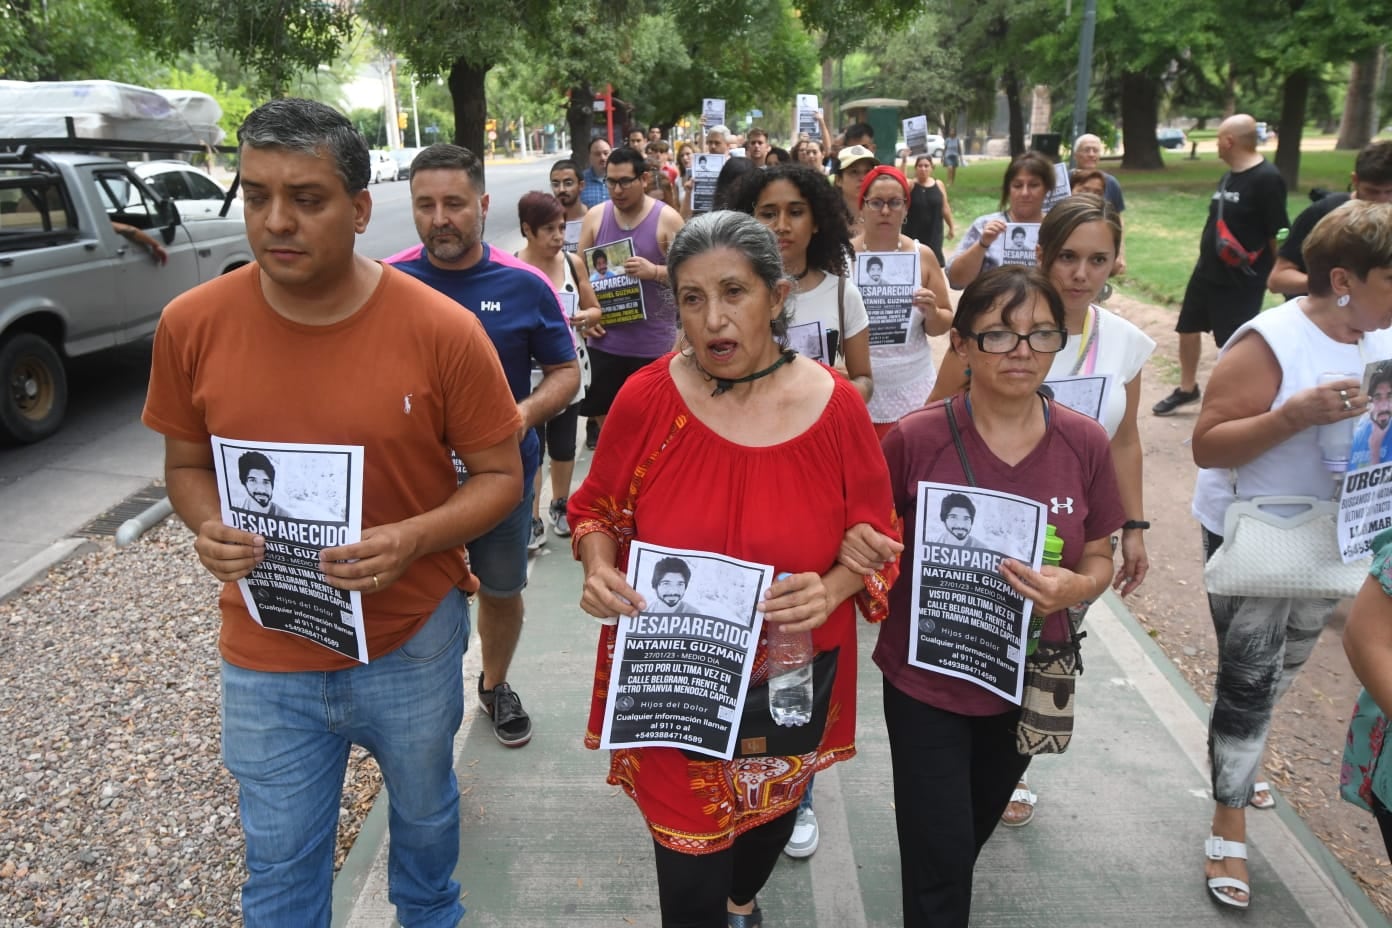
<point>875,173</point>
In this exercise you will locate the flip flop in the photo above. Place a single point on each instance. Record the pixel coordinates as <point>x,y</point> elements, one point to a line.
<point>1217,848</point>
<point>1024,797</point>
<point>1261,786</point>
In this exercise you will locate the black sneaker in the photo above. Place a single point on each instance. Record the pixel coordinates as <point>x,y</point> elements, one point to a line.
<point>1178,398</point>
<point>538,537</point>
<point>512,726</point>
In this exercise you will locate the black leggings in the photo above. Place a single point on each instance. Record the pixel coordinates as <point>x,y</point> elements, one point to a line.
<point>558,434</point>
<point>693,888</point>
<point>953,776</point>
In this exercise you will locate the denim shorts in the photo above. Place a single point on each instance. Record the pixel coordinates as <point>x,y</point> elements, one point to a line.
<point>499,556</point>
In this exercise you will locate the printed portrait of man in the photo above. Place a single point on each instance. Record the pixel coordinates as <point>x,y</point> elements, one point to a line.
<point>258,475</point>
<point>874,270</point>
<point>958,514</point>
<point>599,264</point>
<point>670,578</point>
<point>1371,436</point>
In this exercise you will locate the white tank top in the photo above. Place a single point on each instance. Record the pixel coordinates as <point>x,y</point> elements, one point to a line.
<point>1292,468</point>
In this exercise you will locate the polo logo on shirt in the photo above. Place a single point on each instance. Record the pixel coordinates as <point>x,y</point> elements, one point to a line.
<point>490,306</point>
<point>406,403</point>
<point>1066,505</point>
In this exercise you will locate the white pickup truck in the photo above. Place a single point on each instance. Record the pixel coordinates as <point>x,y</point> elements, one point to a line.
<point>71,285</point>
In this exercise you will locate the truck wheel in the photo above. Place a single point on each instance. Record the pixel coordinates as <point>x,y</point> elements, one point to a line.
<point>35,388</point>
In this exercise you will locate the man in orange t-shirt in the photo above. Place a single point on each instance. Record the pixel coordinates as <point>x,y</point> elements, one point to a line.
<point>315,345</point>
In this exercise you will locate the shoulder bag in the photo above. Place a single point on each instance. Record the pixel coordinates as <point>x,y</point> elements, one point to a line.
<point>1282,556</point>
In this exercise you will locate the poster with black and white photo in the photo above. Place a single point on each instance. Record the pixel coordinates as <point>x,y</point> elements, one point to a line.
<point>1062,186</point>
<point>807,116</point>
<point>887,281</point>
<point>1084,393</point>
<point>916,135</point>
<point>1365,503</point>
<point>682,666</point>
<point>301,499</point>
<point>712,112</point>
<point>570,301</point>
<point>966,620</point>
<point>571,243</point>
<point>620,295</point>
<point>1016,244</point>
<point>809,340</point>
<point>705,171</point>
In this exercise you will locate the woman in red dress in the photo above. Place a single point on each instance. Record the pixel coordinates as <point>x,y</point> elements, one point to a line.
<point>738,446</point>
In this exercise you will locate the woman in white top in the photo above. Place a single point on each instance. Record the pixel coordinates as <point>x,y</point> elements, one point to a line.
<point>804,213</point>
<point>1078,245</point>
<point>1257,435</point>
<point>904,374</point>
<point>542,219</point>
<point>1028,180</point>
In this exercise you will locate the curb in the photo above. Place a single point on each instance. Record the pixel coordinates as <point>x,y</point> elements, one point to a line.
<point>18,577</point>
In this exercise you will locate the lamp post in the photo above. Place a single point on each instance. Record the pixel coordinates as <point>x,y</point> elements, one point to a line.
<point>1080,99</point>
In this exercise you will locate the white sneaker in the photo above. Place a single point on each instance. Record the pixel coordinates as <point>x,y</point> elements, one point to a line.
<point>803,842</point>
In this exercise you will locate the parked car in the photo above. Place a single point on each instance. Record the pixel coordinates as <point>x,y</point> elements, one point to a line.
<point>196,194</point>
<point>404,157</point>
<point>1171,138</point>
<point>72,284</point>
<point>383,166</point>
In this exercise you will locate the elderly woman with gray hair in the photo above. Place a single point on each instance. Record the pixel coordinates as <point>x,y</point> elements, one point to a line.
<point>1257,436</point>
<point>733,444</point>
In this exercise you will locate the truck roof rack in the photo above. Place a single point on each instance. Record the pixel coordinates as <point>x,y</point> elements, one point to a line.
<point>22,147</point>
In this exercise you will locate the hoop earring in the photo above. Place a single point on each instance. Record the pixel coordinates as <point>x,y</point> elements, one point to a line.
<point>1342,301</point>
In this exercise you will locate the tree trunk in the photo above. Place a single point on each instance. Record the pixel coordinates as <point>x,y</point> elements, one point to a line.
<point>1015,113</point>
<point>1295,91</point>
<point>1359,122</point>
<point>470,104</point>
<point>1140,111</point>
<point>1230,92</point>
<point>579,119</point>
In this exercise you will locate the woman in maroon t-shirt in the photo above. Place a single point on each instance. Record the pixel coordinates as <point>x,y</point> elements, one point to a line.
<point>952,742</point>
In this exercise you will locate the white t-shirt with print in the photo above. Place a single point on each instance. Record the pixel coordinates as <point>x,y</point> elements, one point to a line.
<point>819,305</point>
<point>1122,350</point>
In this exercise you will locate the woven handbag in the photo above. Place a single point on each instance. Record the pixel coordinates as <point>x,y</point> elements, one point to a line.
<point>1282,556</point>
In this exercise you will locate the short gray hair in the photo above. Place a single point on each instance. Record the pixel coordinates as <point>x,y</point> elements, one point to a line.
<point>742,233</point>
<point>721,130</point>
<point>310,128</point>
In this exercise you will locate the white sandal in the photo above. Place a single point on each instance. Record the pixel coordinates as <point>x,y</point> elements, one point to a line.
<point>1024,797</point>
<point>1261,786</point>
<point>1217,848</point>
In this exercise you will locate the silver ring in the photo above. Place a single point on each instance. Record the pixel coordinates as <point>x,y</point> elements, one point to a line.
<point>378,586</point>
<point>1347,405</point>
<point>1343,395</point>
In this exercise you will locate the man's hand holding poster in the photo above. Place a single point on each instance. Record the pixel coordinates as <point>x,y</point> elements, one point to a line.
<point>966,620</point>
<point>682,666</point>
<point>620,295</point>
<point>887,281</point>
<point>301,499</point>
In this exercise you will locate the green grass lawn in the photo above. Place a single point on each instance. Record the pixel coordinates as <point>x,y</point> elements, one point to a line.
<point>1165,211</point>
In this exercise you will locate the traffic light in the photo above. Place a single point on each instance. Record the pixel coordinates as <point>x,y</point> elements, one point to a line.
<point>401,120</point>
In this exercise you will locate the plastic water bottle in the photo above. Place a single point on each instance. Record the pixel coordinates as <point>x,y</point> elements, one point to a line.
<point>1336,438</point>
<point>1053,554</point>
<point>790,674</point>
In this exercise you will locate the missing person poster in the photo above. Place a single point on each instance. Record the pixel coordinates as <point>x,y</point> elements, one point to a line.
<point>712,112</point>
<point>916,134</point>
<point>682,666</point>
<point>807,116</point>
<point>810,340</point>
<point>571,242</point>
<point>1085,393</point>
<point>1365,504</point>
<point>301,499</point>
<point>1016,244</point>
<point>966,620</point>
<point>705,171</point>
<point>887,281</point>
<point>620,295</point>
<point>1062,186</point>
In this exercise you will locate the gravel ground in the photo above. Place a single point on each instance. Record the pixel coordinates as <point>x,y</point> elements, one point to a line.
<point>115,809</point>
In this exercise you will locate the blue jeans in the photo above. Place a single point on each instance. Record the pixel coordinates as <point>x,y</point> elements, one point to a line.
<point>286,736</point>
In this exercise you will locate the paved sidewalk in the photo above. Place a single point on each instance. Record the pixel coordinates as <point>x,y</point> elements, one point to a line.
<point>1117,838</point>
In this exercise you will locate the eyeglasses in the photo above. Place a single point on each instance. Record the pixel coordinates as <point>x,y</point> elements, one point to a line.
<point>877,204</point>
<point>621,183</point>
<point>1004,341</point>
